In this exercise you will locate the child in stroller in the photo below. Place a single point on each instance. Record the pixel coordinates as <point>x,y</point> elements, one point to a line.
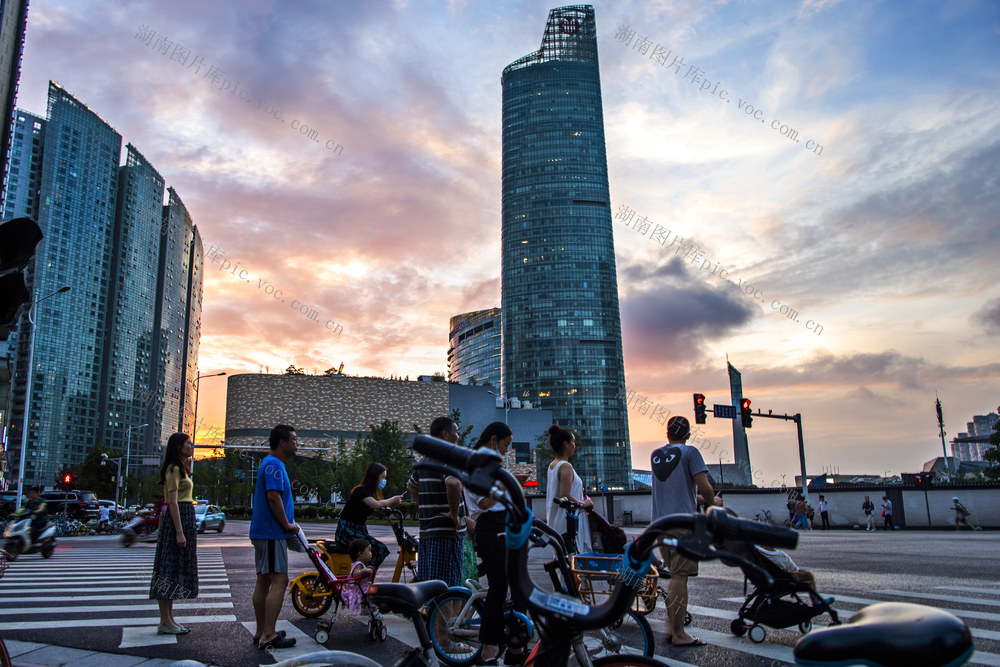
<point>353,592</point>
<point>791,601</point>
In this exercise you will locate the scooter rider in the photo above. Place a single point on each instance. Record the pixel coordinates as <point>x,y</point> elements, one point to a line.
<point>38,509</point>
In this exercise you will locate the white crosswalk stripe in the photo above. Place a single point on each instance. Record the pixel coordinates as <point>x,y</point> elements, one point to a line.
<point>87,587</point>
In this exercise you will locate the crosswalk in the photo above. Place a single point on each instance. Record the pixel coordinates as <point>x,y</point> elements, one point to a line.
<point>94,587</point>
<point>87,587</point>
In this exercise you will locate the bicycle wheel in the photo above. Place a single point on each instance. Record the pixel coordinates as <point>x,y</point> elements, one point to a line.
<point>630,635</point>
<point>453,624</point>
<point>628,661</point>
<point>311,597</point>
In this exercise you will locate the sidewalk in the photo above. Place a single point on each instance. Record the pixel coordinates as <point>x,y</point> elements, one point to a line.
<point>32,654</point>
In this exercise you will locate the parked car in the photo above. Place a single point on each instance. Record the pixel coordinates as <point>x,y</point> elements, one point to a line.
<point>82,505</point>
<point>8,502</point>
<point>209,517</point>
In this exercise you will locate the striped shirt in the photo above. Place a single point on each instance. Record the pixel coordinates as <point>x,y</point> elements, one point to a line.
<point>433,500</point>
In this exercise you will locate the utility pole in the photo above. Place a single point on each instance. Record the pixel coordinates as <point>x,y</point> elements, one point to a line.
<point>940,416</point>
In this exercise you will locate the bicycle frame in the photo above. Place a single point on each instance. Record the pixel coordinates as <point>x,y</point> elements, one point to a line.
<point>558,617</point>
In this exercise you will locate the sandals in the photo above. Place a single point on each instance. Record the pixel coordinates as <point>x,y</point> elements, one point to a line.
<point>696,642</point>
<point>277,642</point>
<point>256,640</point>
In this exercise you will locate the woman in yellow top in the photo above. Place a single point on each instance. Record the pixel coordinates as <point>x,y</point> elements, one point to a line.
<point>175,567</point>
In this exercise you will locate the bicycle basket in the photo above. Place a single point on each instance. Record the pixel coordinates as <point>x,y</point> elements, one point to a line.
<point>596,574</point>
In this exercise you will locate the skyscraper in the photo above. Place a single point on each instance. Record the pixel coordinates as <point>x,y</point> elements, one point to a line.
<point>474,348</point>
<point>562,346</point>
<point>97,368</point>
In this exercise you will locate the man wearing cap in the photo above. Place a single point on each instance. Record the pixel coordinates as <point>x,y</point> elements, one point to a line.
<point>680,483</point>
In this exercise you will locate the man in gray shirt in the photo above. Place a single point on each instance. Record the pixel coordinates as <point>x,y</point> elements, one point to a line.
<point>680,484</point>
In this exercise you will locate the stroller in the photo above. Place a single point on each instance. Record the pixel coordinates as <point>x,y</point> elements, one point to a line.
<point>785,604</point>
<point>314,592</point>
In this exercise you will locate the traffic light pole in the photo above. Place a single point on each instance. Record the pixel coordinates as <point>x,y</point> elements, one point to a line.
<point>797,418</point>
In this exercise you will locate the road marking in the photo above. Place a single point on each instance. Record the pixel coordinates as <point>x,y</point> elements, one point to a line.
<point>980,658</point>
<point>943,598</point>
<point>106,588</point>
<point>962,613</point>
<point>970,589</point>
<point>80,598</point>
<point>99,609</point>
<point>106,622</point>
<point>133,637</point>
<point>304,644</point>
<point>30,578</point>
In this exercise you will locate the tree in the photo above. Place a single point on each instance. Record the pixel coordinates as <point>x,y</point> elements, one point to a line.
<point>456,416</point>
<point>386,444</point>
<point>97,478</point>
<point>993,454</point>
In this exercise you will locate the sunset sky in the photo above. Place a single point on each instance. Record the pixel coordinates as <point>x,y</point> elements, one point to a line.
<point>387,221</point>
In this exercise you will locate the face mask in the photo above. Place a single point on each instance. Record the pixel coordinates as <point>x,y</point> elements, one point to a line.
<point>381,484</point>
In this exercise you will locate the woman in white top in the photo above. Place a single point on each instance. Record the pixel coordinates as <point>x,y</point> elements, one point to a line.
<point>563,482</point>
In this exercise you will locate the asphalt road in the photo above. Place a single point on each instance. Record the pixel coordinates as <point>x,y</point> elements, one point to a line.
<point>92,592</point>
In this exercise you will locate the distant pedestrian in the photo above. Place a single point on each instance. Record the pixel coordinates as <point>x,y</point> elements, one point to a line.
<point>868,507</point>
<point>790,505</point>
<point>961,515</point>
<point>801,514</point>
<point>271,527</point>
<point>823,514</point>
<point>175,565</point>
<point>887,513</point>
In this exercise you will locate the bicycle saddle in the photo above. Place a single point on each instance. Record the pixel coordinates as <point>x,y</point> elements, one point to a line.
<point>890,633</point>
<point>405,598</point>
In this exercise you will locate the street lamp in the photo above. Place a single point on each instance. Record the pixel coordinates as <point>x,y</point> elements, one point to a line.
<point>118,476</point>
<point>27,396</point>
<point>128,451</point>
<point>197,395</point>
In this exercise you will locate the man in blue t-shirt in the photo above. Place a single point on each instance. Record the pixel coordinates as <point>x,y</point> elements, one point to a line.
<point>680,484</point>
<point>271,527</point>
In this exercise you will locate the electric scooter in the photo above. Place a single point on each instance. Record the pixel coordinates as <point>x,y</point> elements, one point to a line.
<point>141,529</point>
<point>18,537</point>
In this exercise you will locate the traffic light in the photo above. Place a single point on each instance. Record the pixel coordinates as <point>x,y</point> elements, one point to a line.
<point>699,409</point>
<point>745,413</point>
<point>18,238</point>
<point>66,483</point>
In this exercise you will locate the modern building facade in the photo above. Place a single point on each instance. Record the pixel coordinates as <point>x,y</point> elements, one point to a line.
<point>562,346</point>
<point>96,367</point>
<point>13,20</point>
<point>474,348</point>
<point>325,408</point>
<point>971,446</point>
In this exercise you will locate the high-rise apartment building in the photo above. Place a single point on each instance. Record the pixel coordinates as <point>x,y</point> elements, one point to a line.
<point>562,346</point>
<point>96,367</point>
<point>474,348</point>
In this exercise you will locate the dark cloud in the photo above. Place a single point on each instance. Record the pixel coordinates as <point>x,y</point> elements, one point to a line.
<point>989,316</point>
<point>671,315</point>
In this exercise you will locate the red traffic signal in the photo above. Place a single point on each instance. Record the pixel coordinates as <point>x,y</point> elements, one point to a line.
<point>745,413</point>
<point>699,409</point>
<point>66,482</point>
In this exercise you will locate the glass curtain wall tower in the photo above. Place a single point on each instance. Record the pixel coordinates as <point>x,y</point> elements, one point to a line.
<point>562,346</point>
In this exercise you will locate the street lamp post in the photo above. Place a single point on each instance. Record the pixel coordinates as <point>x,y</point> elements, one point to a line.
<point>27,396</point>
<point>197,395</point>
<point>128,451</point>
<point>118,475</point>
